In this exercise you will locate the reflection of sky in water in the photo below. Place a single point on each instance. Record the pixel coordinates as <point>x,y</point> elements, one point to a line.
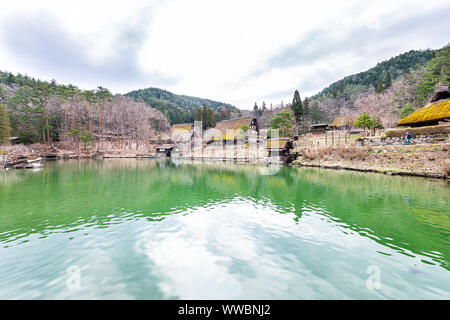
<point>241,250</point>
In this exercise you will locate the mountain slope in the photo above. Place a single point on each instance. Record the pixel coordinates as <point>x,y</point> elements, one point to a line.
<point>177,108</point>
<point>365,80</point>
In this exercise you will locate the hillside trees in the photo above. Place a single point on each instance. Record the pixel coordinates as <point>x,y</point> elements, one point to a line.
<point>47,112</point>
<point>437,71</point>
<point>5,129</point>
<point>179,108</point>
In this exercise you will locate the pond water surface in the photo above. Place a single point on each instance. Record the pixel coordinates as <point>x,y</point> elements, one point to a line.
<point>158,229</point>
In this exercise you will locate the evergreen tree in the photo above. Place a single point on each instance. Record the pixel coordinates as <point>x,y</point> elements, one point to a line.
<point>282,121</point>
<point>315,113</point>
<point>306,109</point>
<point>3,96</point>
<point>210,121</point>
<point>5,128</point>
<point>256,110</point>
<point>198,114</point>
<point>379,87</point>
<point>437,72</point>
<point>263,108</point>
<point>365,121</point>
<point>387,80</point>
<point>297,106</point>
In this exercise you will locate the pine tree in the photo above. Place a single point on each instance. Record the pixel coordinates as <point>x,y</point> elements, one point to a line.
<point>263,108</point>
<point>198,114</point>
<point>388,80</point>
<point>315,113</point>
<point>255,110</point>
<point>5,128</point>
<point>282,121</point>
<point>297,106</point>
<point>379,87</point>
<point>210,120</point>
<point>365,121</point>
<point>306,109</point>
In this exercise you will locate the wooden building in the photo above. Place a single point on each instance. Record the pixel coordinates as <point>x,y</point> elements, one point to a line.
<point>181,132</point>
<point>434,113</point>
<point>342,123</point>
<point>319,128</point>
<point>279,147</point>
<point>164,150</point>
<point>232,129</point>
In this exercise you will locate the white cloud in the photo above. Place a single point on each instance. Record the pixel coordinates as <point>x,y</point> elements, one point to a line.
<point>221,49</point>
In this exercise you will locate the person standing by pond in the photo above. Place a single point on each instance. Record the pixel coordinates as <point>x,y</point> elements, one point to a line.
<point>408,137</point>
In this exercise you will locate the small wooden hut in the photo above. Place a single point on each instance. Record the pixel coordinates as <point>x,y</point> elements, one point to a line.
<point>164,150</point>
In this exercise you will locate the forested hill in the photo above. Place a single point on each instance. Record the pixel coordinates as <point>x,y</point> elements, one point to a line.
<point>365,80</point>
<point>177,108</point>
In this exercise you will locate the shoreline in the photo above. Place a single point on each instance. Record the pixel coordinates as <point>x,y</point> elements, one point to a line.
<point>427,161</point>
<point>391,172</point>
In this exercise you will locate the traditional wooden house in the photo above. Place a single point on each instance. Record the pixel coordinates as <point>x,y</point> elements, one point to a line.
<point>164,150</point>
<point>342,122</point>
<point>181,132</point>
<point>232,129</point>
<point>437,111</point>
<point>319,128</point>
<point>279,147</point>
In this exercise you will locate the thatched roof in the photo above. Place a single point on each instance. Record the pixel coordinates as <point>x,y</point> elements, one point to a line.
<point>442,92</point>
<point>165,146</point>
<point>342,121</point>
<point>181,127</point>
<point>433,112</point>
<point>277,144</point>
<point>230,128</point>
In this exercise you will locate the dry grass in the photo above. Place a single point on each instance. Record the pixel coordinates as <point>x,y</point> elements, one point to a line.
<point>14,149</point>
<point>350,153</point>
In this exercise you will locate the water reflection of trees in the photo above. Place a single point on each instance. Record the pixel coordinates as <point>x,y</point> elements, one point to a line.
<point>408,213</point>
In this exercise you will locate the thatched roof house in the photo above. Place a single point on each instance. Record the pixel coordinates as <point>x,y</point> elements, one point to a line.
<point>164,150</point>
<point>437,110</point>
<point>319,127</point>
<point>181,132</point>
<point>278,143</point>
<point>342,122</point>
<point>181,127</point>
<point>281,146</point>
<point>231,128</point>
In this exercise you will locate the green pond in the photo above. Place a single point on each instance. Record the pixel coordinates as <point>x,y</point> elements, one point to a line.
<point>161,229</point>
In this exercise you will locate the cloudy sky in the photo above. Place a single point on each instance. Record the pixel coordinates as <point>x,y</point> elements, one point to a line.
<point>232,51</point>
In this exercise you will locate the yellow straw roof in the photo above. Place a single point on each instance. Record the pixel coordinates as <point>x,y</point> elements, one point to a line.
<point>181,127</point>
<point>435,111</point>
